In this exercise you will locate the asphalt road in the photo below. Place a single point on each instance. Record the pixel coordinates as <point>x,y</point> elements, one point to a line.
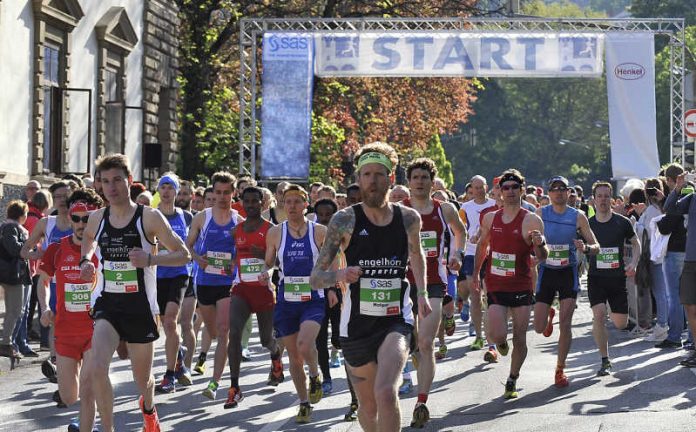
<point>649,391</point>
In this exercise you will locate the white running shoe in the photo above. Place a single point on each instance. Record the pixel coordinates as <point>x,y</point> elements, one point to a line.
<point>657,334</point>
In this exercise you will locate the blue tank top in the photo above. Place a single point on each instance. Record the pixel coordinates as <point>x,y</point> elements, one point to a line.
<point>216,244</point>
<point>179,225</point>
<point>296,260</point>
<point>560,231</point>
<point>53,234</point>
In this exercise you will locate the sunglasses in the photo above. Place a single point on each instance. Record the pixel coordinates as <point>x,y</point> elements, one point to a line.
<point>558,189</point>
<point>78,219</point>
<point>514,186</point>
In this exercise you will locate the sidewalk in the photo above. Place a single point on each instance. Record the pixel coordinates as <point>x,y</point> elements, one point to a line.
<point>5,362</point>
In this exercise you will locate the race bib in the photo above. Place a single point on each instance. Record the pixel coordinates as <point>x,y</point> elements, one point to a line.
<point>608,258</point>
<point>219,263</point>
<point>250,269</point>
<point>503,264</point>
<point>380,297</point>
<point>77,297</point>
<point>428,241</point>
<point>559,255</point>
<point>120,277</point>
<point>297,289</point>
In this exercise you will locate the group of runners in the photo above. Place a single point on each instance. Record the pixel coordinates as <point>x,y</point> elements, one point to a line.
<point>394,273</point>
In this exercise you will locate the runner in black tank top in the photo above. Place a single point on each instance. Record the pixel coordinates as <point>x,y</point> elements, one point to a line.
<point>379,239</point>
<point>124,301</point>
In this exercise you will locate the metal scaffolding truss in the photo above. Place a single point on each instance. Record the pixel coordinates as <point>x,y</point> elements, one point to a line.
<point>251,31</point>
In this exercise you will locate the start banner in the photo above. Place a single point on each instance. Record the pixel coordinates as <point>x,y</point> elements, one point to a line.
<point>454,54</point>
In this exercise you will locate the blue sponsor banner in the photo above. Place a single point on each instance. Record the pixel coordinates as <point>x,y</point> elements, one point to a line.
<point>482,54</point>
<point>286,112</point>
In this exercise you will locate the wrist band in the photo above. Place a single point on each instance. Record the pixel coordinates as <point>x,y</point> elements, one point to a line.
<point>423,293</point>
<point>84,260</point>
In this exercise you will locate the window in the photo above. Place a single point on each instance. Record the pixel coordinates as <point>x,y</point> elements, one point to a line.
<point>52,109</point>
<point>113,98</point>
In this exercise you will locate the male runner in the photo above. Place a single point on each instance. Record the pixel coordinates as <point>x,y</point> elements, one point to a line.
<point>124,302</point>
<point>249,295</point>
<point>171,285</point>
<point>606,280</point>
<point>184,195</point>
<point>507,238</point>
<point>436,217</point>
<point>211,233</point>
<point>71,322</point>
<point>379,239</point>
<point>472,209</point>
<point>299,310</point>
<point>559,272</point>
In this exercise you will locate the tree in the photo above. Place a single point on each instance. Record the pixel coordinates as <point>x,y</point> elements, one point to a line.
<point>364,109</point>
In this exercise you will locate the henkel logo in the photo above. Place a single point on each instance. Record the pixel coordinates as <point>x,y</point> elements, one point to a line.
<point>629,71</point>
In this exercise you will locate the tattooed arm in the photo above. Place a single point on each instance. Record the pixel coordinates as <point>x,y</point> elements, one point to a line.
<point>416,257</point>
<point>337,235</point>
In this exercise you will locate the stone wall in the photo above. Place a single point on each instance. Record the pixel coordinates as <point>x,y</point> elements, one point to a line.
<point>159,79</point>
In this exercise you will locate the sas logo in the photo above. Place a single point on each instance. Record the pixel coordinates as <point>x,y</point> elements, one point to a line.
<point>629,71</point>
<point>276,43</point>
<point>381,283</point>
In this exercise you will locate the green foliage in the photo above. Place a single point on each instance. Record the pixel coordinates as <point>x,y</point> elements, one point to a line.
<point>325,159</point>
<point>563,8</point>
<point>665,9</point>
<point>217,142</point>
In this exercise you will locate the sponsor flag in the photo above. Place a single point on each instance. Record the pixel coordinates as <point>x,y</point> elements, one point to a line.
<point>630,66</point>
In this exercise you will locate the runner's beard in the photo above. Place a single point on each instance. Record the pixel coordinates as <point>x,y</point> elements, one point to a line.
<point>375,199</point>
<point>181,203</point>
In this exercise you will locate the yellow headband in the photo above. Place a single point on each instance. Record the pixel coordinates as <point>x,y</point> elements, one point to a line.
<point>375,157</point>
<point>299,193</point>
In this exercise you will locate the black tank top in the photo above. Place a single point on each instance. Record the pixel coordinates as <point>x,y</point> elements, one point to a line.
<point>121,287</point>
<point>381,296</point>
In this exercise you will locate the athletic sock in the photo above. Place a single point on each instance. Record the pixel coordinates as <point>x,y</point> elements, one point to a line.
<point>169,372</point>
<point>491,346</point>
<point>202,356</point>
<point>234,382</point>
<point>605,360</point>
<point>422,398</point>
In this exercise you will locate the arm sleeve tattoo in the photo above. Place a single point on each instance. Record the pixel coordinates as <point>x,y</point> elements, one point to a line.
<point>342,223</point>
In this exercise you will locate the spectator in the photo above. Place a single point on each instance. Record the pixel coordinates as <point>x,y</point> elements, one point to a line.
<point>30,189</point>
<point>14,274</point>
<point>144,198</point>
<point>136,189</point>
<point>78,181</point>
<point>38,206</point>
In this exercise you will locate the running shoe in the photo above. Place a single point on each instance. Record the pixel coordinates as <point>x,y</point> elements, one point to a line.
<point>150,421</point>
<point>510,390</point>
<point>549,325</point>
<point>604,369</point>
<point>59,402</point>
<point>335,361</point>
<point>304,415</point>
<point>48,369</point>
<point>669,344</point>
<point>234,396</point>
<point>167,385</point>
<point>560,379</point>
<point>421,415</point>
<point>689,362</point>
<point>199,368</point>
<point>246,354</point>
<point>210,391</point>
<point>183,376</point>
<point>464,314</point>
<point>441,353</point>
<point>74,426</point>
<point>406,387</point>
<point>327,387</point>
<point>352,413</point>
<point>472,329</point>
<point>276,376</point>
<point>491,355</point>
<point>477,344</point>
<point>29,352</point>
<point>449,325</point>
<point>504,348</point>
<point>688,346</point>
<point>315,390</point>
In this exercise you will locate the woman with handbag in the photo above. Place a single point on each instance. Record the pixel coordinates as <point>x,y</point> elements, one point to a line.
<point>14,273</point>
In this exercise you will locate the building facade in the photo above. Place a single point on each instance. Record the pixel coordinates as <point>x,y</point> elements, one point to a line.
<point>81,79</point>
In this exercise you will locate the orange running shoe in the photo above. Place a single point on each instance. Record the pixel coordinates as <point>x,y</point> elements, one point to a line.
<point>549,325</point>
<point>150,421</point>
<point>561,380</point>
<point>234,396</point>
